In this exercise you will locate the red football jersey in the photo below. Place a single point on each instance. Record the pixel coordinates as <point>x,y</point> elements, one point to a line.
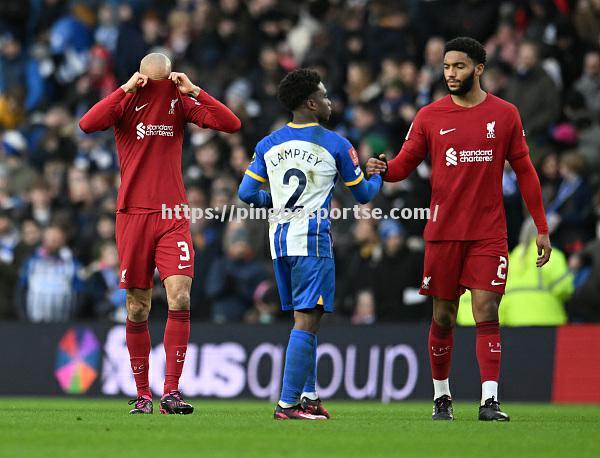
<point>467,148</point>
<point>149,127</point>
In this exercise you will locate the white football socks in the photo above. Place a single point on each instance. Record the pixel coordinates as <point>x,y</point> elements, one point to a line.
<point>440,388</point>
<point>489,389</point>
<point>312,396</point>
<point>286,405</point>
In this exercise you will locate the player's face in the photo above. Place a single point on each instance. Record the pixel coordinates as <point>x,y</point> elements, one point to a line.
<point>321,103</point>
<point>460,72</point>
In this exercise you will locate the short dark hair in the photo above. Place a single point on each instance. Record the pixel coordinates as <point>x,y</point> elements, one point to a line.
<point>297,86</point>
<point>469,46</point>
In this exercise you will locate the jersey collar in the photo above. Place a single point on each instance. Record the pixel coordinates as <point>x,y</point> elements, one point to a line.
<point>300,126</point>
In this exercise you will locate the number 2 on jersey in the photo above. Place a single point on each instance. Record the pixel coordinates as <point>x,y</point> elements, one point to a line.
<point>291,203</point>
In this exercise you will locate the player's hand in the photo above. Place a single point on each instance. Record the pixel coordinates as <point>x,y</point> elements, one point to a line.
<point>185,86</point>
<point>544,249</point>
<point>137,80</point>
<point>376,166</point>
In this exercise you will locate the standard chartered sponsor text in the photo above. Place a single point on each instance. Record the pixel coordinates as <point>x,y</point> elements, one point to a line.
<point>234,212</point>
<point>477,155</point>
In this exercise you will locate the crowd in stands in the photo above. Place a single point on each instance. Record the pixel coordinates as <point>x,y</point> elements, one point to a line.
<point>381,61</point>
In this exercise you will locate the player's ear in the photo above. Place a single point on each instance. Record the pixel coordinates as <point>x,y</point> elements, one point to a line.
<point>479,69</point>
<point>311,104</point>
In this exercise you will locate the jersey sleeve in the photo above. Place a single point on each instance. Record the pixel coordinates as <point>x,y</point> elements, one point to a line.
<point>517,145</point>
<point>347,163</point>
<point>207,112</point>
<point>413,152</point>
<point>257,168</point>
<point>415,142</point>
<point>106,113</point>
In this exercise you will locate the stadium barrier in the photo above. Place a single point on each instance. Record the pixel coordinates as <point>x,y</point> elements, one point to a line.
<point>383,362</point>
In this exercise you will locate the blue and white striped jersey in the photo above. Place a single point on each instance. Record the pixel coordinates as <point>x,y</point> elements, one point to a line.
<point>301,162</point>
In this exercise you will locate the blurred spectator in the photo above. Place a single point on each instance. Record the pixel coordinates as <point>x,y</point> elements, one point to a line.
<point>549,176</point>
<point>39,203</point>
<point>103,297</point>
<point>364,310</point>
<point>503,46</point>
<point>9,238</point>
<point>266,304</point>
<point>100,71</point>
<point>21,175</point>
<point>12,62</point>
<point>587,21</point>
<point>12,111</point>
<point>50,283</point>
<point>398,275</point>
<point>588,84</point>
<point>513,205</point>
<point>570,212</point>
<point>533,297</point>
<point>585,264</point>
<point>356,269</point>
<point>233,279</point>
<point>534,94</point>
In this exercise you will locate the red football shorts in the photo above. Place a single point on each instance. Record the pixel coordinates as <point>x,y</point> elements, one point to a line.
<point>451,267</point>
<point>146,241</point>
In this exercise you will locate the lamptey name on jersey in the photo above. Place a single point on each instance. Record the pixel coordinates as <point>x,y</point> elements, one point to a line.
<point>295,153</point>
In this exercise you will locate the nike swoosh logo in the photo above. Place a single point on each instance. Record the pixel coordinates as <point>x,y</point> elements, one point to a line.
<point>139,108</point>
<point>497,283</point>
<point>495,351</point>
<point>138,373</point>
<point>183,267</point>
<point>180,360</point>
<point>440,354</point>
<point>444,132</point>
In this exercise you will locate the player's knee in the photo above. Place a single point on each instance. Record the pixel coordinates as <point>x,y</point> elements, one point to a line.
<point>180,300</point>
<point>138,310</point>
<point>444,317</point>
<point>307,321</point>
<point>486,311</point>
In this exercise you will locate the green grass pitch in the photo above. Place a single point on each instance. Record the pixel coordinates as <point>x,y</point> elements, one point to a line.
<point>60,427</point>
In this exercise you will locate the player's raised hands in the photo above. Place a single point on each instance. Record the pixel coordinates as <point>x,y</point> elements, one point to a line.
<point>376,166</point>
<point>185,86</point>
<point>136,81</point>
<point>544,249</point>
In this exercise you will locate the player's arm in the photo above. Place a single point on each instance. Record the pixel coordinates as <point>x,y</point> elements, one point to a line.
<point>348,166</point>
<point>366,189</point>
<point>202,109</point>
<point>108,111</point>
<point>410,156</point>
<point>529,184</point>
<point>249,190</point>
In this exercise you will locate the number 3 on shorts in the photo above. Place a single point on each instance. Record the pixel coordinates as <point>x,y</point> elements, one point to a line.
<point>502,268</point>
<point>183,246</point>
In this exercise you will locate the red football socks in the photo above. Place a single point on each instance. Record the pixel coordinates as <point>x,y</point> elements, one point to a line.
<point>138,344</point>
<point>177,335</point>
<point>489,350</point>
<point>440,350</point>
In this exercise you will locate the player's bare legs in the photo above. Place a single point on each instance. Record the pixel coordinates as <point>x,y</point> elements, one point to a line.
<point>177,335</point>
<point>300,370</point>
<point>138,344</point>
<point>138,304</point>
<point>178,292</point>
<point>489,350</point>
<point>441,338</point>
<point>308,320</point>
